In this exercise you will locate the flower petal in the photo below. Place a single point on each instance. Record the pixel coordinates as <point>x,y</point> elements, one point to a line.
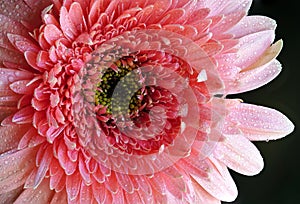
<point>217,182</point>
<point>268,56</point>
<point>12,58</point>
<point>252,46</point>
<point>255,78</point>
<point>77,17</point>
<point>203,196</point>
<point>252,24</point>
<point>99,192</point>
<point>5,110</point>
<point>40,195</point>
<point>67,25</point>
<point>10,196</point>
<point>22,43</point>
<point>73,183</point>
<point>60,197</point>
<point>227,22</point>
<point>52,34</point>
<point>8,25</point>
<point>14,168</point>
<point>239,154</point>
<point>220,7</point>
<point>10,136</point>
<point>260,123</point>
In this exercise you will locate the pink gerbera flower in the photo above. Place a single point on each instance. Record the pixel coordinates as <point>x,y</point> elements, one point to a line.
<point>124,101</point>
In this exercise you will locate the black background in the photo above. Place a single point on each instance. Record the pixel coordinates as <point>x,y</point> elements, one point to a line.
<point>279,182</point>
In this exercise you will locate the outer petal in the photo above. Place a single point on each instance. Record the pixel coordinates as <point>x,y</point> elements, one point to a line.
<point>18,7</point>
<point>218,182</point>
<point>264,70</point>
<point>40,195</point>
<point>219,7</point>
<point>10,136</point>
<point>202,196</point>
<point>6,109</point>
<point>252,46</point>
<point>252,24</point>
<point>14,168</point>
<point>260,123</point>
<point>253,79</point>
<point>60,197</point>
<point>239,154</point>
<point>11,196</point>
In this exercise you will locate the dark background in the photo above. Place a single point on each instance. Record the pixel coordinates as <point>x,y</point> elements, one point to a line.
<point>279,182</point>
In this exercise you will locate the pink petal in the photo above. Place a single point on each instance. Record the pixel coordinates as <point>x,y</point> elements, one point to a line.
<point>15,166</point>
<point>27,11</point>
<point>50,19</point>
<point>99,177</point>
<point>23,87</point>
<point>217,183</point>
<point>239,154</point>
<point>31,58</point>
<point>6,111</point>
<point>133,197</point>
<point>23,116</point>
<point>12,57</point>
<point>60,197</point>
<point>85,193</point>
<point>119,197</point>
<point>67,25</point>
<point>7,102</point>
<point>202,196</point>
<point>198,15</point>
<point>227,22</point>
<point>43,166</point>
<point>57,178</point>
<point>264,70</point>
<point>37,4</point>
<point>252,24</point>
<point>10,196</point>
<point>252,46</point>
<point>8,76</point>
<point>144,15</point>
<point>8,25</point>
<point>77,17</point>
<point>172,16</point>
<point>99,192</point>
<point>22,43</point>
<point>125,182</point>
<point>111,183</point>
<point>145,197</point>
<point>227,6</point>
<point>10,136</point>
<point>160,7</point>
<point>73,183</point>
<point>260,123</point>
<point>83,171</point>
<point>158,183</point>
<point>237,6</point>
<point>52,34</point>
<point>176,186</point>
<point>40,195</point>
<point>144,184</point>
<point>255,78</point>
<point>268,56</point>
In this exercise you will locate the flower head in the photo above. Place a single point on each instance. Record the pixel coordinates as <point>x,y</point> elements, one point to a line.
<point>124,101</point>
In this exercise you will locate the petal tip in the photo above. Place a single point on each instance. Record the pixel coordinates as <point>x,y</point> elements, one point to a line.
<point>288,126</point>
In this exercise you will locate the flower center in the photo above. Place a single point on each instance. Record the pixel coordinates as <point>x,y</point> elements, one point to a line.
<point>125,99</point>
<point>137,114</point>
